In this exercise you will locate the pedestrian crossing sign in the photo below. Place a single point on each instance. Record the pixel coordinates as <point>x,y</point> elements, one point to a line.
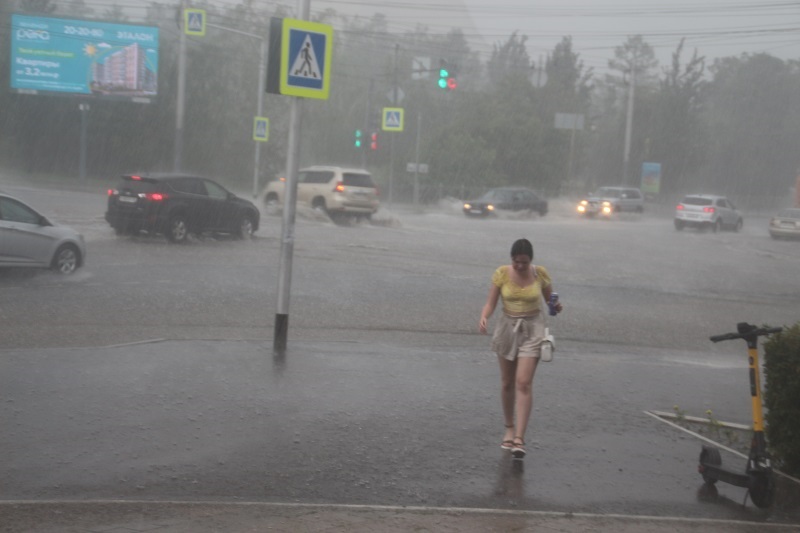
<point>194,22</point>
<point>261,129</point>
<point>392,119</point>
<point>306,63</point>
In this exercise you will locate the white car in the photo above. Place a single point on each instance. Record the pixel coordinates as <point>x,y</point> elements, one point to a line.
<point>29,239</point>
<point>340,192</point>
<point>609,200</point>
<point>707,211</point>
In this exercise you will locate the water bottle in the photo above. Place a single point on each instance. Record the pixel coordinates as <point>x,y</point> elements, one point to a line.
<point>552,303</point>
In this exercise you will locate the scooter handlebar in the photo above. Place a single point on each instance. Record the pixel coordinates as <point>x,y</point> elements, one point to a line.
<point>745,330</point>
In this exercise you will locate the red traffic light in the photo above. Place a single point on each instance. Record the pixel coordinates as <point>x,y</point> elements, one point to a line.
<point>374,141</point>
<point>451,83</point>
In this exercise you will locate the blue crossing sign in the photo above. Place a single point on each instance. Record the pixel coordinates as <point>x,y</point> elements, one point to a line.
<point>194,22</point>
<point>392,119</point>
<point>307,50</point>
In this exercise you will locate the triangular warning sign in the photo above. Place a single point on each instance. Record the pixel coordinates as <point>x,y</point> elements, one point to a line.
<point>195,22</point>
<point>305,64</point>
<point>393,119</point>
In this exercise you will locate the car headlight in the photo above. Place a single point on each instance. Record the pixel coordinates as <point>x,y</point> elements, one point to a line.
<point>490,207</point>
<point>581,208</point>
<point>467,206</point>
<point>606,204</point>
<point>584,203</point>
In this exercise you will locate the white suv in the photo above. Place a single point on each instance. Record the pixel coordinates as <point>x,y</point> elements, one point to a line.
<point>707,211</point>
<point>340,192</point>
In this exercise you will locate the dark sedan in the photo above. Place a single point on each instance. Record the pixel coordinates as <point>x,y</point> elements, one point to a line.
<point>514,199</point>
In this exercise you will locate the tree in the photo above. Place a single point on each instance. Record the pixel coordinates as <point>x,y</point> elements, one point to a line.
<point>634,60</point>
<point>753,111</point>
<point>509,59</point>
<point>676,134</point>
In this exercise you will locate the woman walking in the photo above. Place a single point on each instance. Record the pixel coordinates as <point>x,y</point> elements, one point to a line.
<point>518,336</point>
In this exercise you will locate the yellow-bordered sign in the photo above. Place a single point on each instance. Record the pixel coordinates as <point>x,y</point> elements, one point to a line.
<point>307,50</point>
<point>194,21</point>
<point>260,129</point>
<point>392,119</point>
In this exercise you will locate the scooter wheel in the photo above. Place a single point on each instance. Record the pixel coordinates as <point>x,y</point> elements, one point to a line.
<point>709,456</point>
<point>762,489</point>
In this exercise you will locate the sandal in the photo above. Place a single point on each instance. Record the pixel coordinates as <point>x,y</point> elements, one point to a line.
<point>518,450</point>
<point>507,444</point>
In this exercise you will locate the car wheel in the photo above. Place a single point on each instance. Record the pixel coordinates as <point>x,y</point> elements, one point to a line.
<point>178,230</point>
<point>542,211</point>
<point>245,228</point>
<point>716,226</point>
<point>271,204</point>
<point>66,259</point>
<point>679,225</point>
<point>739,225</point>
<point>319,203</point>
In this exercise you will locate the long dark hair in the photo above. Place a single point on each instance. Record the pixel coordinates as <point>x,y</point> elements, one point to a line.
<point>522,247</point>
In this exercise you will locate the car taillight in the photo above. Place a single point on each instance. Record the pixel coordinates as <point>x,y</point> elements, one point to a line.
<point>708,210</point>
<point>339,187</point>
<point>679,207</point>
<point>113,192</point>
<point>136,178</point>
<point>155,196</point>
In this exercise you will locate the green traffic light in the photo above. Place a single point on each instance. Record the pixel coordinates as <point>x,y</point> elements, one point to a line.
<point>443,83</point>
<point>443,73</point>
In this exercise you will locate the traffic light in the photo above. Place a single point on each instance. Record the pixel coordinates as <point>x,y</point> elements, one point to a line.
<point>357,142</point>
<point>373,141</point>
<point>443,75</point>
<point>447,76</point>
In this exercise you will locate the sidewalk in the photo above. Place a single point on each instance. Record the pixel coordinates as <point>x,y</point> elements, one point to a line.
<point>106,439</point>
<point>172,517</point>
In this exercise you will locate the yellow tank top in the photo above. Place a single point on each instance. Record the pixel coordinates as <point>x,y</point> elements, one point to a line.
<point>521,300</point>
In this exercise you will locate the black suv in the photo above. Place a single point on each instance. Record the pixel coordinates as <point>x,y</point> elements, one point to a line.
<point>177,205</point>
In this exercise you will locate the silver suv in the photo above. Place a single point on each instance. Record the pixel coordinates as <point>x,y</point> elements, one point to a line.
<point>609,200</point>
<point>707,211</point>
<point>340,192</point>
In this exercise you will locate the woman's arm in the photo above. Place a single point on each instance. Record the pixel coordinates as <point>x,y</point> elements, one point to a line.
<point>488,308</point>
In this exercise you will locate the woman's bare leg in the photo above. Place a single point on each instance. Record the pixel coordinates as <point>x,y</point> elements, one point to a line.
<point>526,368</point>
<point>507,382</point>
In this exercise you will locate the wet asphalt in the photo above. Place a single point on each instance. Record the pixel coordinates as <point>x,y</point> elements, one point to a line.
<point>364,423</point>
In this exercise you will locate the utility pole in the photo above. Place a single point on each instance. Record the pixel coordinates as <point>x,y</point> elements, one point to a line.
<point>179,105</point>
<point>629,121</point>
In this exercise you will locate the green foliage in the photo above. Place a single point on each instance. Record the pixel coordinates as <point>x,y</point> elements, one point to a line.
<point>782,397</point>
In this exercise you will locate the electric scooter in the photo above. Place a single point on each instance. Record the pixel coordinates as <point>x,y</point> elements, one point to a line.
<point>757,477</point>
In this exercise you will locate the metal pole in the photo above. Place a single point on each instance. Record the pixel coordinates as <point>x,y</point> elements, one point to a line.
<point>289,203</point>
<point>367,111</point>
<point>181,90</point>
<point>416,162</point>
<point>84,108</point>
<point>571,148</point>
<point>629,125</point>
<point>391,137</point>
<point>262,66</point>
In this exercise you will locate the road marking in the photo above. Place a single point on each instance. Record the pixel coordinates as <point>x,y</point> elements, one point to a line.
<point>761,526</point>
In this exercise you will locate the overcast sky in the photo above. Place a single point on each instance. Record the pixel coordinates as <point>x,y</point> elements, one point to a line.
<point>717,28</point>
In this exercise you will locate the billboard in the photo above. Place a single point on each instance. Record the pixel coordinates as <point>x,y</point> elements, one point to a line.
<point>84,57</point>
<point>651,178</point>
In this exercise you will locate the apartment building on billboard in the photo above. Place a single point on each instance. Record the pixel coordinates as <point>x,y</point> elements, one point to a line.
<point>125,71</point>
